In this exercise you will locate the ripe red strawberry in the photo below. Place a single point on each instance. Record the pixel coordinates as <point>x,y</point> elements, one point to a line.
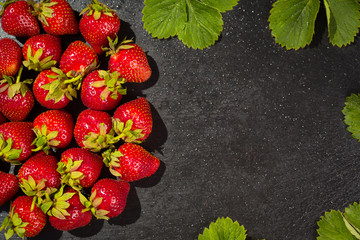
<point>102,90</point>
<point>131,162</point>
<point>15,141</point>
<point>97,24</point>
<point>78,216</point>
<point>79,167</point>
<point>41,52</point>
<point>10,57</point>
<point>16,100</point>
<point>93,130</point>
<point>53,90</point>
<point>133,121</point>
<point>78,59</point>
<point>129,60</point>
<point>38,176</point>
<point>108,198</point>
<point>2,118</point>
<point>53,129</point>
<point>17,19</point>
<point>9,185</point>
<point>23,220</point>
<point>57,17</point>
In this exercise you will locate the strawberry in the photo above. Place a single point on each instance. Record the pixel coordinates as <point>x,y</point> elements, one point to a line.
<point>23,220</point>
<point>76,214</point>
<point>93,130</point>
<point>16,100</point>
<point>53,129</point>
<point>9,186</point>
<point>2,118</point>
<point>78,59</point>
<point>57,17</point>
<point>41,52</point>
<point>38,176</point>
<point>10,57</point>
<point>97,24</point>
<point>102,90</point>
<point>53,89</point>
<point>129,60</point>
<point>133,121</point>
<point>15,141</point>
<point>79,168</point>
<point>131,162</point>
<point>17,19</point>
<point>108,198</point>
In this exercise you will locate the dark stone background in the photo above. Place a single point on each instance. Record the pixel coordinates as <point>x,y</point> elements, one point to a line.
<point>244,129</point>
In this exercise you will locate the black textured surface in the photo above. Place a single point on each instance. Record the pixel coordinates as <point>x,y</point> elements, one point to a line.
<point>244,129</point>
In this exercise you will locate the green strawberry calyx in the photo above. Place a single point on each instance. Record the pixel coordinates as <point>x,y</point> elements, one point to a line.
<point>95,142</point>
<point>33,61</point>
<point>7,152</point>
<point>126,132</point>
<point>57,205</point>
<point>115,46</point>
<point>43,10</point>
<point>14,224</point>
<point>45,140</point>
<point>96,8</point>
<point>93,204</point>
<point>38,190</point>
<point>111,160</point>
<point>112,83</point>
<point>69,174</point>
<point>15,86</point>
<point>61,86</point>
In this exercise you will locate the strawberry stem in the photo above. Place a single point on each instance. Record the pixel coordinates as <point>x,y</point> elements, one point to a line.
<point>19,74</point>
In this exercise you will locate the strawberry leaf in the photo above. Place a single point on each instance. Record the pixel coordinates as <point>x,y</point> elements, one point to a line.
<point>164,19</point>
<point>292,22</point>
<point>223,5</point>
<point>352,219</point>
<point>332,227</point>
<point>224,228</point>
<point>351,112</point>
<point>343,21</point>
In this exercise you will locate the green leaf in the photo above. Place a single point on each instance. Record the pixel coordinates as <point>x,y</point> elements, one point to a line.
<point>292,22</point>
<point>343,20</point>
<point>165,18</point>
<point>203,27</point>
<point>224,229</point>
<point>223,5</point>
<point>352,216</point>
<point>332,227</point>
<point>351,112</point>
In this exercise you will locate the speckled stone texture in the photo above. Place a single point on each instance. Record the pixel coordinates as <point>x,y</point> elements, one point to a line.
<point>244,129</point>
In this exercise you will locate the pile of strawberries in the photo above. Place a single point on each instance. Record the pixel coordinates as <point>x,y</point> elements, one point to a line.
<point>68,192</point>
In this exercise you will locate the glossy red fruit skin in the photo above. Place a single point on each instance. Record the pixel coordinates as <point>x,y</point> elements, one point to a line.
<point>80,58</point>
<point>10,57</point>
<point>131,63</point>
<point>136,163</point>
<point>18,21</point>
<point>50,44</point>
<point>9,186</point>
<point>91,164</point>
<point>96,32</point>
<point>57,120</point>
<point>63,21</point>
<point>22,135</point>
<point>41,166</point>
<point>16,109</point>
<point>139,111</point>
<point>77,217</point>
<point>114,195</point>
<point>40,93</point>
<point>90,95</point>
<point>89,121</point>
